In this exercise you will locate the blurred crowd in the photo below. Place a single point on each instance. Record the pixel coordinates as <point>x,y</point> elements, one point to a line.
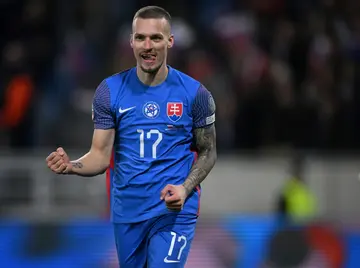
<point>283,73</point>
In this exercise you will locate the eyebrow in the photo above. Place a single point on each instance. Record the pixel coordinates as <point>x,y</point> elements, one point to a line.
<point>150,35</point>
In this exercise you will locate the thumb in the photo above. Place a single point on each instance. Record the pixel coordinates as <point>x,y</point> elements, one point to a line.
<point>63,154</point>
<point>60,151</point>
<point>165,191</point>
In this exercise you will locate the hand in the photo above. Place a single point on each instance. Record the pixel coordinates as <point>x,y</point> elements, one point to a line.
<point>174,196</point>
<point>59,162</point>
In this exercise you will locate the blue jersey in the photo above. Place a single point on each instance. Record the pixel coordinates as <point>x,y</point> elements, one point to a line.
<point>153,141</point>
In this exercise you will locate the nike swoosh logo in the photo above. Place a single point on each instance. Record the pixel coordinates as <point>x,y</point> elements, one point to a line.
<point>169,261</point>
<point>125,110</point>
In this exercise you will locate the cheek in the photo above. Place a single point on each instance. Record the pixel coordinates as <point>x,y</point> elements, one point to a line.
<point>136,51</point>
<point>162,50</point>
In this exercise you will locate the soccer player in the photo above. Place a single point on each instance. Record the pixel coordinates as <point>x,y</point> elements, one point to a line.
<point>160,123</point>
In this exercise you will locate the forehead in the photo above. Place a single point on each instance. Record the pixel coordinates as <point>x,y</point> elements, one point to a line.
<point>150,26</point>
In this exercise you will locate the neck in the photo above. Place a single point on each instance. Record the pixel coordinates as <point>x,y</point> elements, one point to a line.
<point>152,79</point>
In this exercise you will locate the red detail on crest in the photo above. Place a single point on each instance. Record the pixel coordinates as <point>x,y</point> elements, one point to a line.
<point>174,110</point>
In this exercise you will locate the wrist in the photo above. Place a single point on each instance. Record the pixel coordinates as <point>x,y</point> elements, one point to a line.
<point>187,188</point>
<point>69,169</point>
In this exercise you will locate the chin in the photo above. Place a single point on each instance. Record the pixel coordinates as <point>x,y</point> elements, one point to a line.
<point>150,70</point>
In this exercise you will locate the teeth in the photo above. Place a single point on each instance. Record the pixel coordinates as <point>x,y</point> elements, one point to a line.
<point>148,56</point>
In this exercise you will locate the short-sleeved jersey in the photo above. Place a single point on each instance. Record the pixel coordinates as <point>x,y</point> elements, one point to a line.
<point>153,141</point>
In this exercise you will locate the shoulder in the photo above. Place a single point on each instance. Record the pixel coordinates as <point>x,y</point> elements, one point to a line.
<point>190,84</point>
<point>118,78</point>
<point>108,91</point>
<point>116,84</point>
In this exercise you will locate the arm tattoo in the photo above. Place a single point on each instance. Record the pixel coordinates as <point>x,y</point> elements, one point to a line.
<point>77,164</point>
<point>205,141</point>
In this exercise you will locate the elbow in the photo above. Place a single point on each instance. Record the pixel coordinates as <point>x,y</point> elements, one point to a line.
<point>104,167</point>
<point>102,164</point>
<point>209,156</point>
<point>214,155</point>
<point>102,161</point>
<point>106,164</point>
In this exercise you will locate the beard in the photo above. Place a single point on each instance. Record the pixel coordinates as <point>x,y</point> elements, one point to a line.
<point>152,69</point>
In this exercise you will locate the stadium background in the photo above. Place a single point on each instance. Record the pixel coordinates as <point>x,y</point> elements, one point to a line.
<point>285,76</point>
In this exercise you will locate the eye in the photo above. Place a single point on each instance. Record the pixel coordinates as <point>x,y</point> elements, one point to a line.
<point>139,37</point>
<point>156,38</point>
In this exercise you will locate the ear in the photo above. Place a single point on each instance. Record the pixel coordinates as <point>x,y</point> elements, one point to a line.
<point>171,41</point>
<point>131,40</point>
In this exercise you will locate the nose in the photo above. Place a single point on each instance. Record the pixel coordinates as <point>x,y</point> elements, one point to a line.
<point>147,43</point>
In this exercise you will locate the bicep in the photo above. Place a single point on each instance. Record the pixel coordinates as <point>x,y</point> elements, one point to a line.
<point>203,112</point>
<point>203,108</point>
<point>104,121</point>
<point>103,117</point>
<point>205,138</point>
<point>103,141</point>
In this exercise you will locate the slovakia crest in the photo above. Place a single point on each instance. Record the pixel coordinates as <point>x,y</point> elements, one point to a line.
<point>174,111</point>
<point>151,110</point>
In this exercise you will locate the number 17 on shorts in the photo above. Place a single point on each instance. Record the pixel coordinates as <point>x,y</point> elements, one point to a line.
<point>169,249</point>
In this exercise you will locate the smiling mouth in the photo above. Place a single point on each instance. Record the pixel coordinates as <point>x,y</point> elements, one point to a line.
<point>148,57</point>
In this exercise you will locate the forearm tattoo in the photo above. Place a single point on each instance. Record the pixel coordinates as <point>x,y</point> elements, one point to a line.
<point>77,164</point>
<point>205,141</point>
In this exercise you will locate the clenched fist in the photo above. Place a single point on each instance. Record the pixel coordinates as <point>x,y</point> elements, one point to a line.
<point>174,196</point>
<point>59,161</point>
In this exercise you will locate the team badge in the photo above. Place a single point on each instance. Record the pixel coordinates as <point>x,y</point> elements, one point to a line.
<point>151,110</point>
<point>174,110</point>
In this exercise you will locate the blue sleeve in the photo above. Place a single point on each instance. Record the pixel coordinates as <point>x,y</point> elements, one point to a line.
<point>102,116</point>
<point>203,109</point>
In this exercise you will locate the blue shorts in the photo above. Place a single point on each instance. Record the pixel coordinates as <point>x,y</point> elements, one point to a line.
<point>158,242</point>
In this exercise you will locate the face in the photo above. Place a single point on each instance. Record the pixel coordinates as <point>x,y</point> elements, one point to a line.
<point>150,41</point>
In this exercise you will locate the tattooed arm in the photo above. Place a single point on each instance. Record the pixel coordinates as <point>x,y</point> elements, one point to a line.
<point>205,141</point>
<point>204,133</point>
<point>93,163</point>
<point>203,115</point>
<point>97,160</point>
